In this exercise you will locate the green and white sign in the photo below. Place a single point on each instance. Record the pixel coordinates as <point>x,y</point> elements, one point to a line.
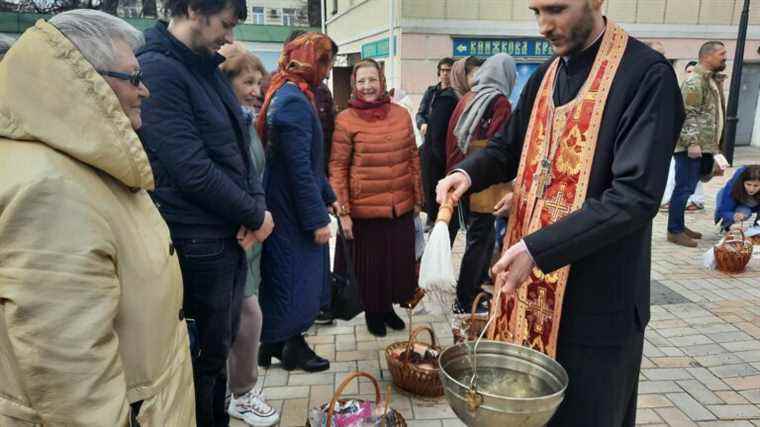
<point>377,48</point>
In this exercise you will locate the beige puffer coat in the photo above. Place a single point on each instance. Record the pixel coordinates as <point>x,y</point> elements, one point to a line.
<point>90,286</point>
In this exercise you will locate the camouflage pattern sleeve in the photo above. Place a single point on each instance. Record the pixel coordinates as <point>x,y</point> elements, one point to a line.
<point>696,119</point>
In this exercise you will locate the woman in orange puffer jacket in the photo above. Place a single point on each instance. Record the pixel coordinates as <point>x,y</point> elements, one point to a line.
<point>375,172</point>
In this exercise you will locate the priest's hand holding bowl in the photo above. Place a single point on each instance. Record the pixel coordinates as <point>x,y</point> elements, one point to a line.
<point>512,268</point>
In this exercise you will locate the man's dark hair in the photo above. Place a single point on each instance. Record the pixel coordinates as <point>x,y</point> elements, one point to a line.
<point>444,61</point>
<point>690,64</point>
<point>472,62</point>
<point>298,33</point>
<point>709,47</point>
<point>179,8</point>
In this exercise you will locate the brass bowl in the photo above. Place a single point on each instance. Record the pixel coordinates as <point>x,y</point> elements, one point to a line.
<point>516,386</point>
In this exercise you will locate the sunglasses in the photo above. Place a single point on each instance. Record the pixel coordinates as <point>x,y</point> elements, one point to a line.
<point>135,78</point>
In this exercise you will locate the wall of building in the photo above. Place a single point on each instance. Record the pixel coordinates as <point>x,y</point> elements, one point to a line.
<point>703,12</point>
<point>425,28</point>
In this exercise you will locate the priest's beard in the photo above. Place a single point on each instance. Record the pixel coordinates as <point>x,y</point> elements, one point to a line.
<point>580,33</point>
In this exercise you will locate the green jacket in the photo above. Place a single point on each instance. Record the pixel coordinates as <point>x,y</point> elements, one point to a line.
<point>705,111</point>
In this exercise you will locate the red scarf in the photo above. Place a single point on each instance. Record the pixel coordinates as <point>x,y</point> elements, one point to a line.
<point>305,62</point>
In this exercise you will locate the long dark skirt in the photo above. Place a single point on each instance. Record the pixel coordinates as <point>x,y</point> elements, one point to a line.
<point>383,255</point>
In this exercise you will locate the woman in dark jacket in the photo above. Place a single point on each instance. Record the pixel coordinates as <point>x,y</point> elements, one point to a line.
<point>478,116</point>
<point>295,258</point>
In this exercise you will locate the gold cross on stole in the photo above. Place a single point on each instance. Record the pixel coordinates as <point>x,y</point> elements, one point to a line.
<point>556,206</point>
<point>541,310</point>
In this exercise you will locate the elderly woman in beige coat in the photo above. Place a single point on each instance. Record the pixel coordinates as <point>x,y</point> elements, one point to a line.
<point>91,329</point>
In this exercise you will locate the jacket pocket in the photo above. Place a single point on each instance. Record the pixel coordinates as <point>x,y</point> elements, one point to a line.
<point>200,249</point>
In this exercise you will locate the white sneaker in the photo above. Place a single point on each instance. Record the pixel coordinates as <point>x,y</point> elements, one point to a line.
<point>253,409</point>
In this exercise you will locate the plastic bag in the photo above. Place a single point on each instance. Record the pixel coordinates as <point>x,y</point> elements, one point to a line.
<point>708,259</point>
<point>419,238</point>
<point>353,413</point>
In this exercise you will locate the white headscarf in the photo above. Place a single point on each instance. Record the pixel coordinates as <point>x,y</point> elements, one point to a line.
<point>496,77</point>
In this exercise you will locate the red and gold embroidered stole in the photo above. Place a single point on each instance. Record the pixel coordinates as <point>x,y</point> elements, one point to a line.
<point>551,182</point>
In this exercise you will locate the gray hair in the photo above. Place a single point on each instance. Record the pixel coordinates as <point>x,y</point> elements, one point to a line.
<point>94,33</point>
<point>5,44</point>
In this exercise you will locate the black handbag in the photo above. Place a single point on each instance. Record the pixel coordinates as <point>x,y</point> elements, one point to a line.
<point>706,167</point>
<point>346,301</point>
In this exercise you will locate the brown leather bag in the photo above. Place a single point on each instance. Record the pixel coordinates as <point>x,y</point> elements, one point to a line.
<point>484,201</point>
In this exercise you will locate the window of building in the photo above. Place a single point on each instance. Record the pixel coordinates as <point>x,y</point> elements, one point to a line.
<point>289,17</point>
<point>258,15</point>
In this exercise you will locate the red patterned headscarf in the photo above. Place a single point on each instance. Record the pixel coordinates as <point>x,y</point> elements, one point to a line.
<point>377,109</point>
<point>304,61</point>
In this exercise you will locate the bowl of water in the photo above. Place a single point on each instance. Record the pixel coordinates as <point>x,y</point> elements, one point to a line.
<point>515,385</point>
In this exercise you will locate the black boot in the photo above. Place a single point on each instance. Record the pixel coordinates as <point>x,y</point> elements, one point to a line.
<point>391,319</point>
<point>297,355</point>
<point>269,350</point>
<point>376,323</point>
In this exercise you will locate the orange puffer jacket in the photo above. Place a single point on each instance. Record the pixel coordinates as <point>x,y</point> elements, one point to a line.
<point>375,166</point>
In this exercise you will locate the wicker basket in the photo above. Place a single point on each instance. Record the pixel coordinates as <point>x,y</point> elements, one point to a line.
<point>422,381</point>
<point>755,239</point>
<point>400,421</point>
<point>733,254</point>
<point>472,325</point>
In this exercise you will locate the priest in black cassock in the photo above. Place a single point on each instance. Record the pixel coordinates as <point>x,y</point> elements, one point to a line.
<point>588,146</point>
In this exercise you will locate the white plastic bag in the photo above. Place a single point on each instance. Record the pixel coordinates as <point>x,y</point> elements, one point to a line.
<point>419,238</point>
<point>708,259</point>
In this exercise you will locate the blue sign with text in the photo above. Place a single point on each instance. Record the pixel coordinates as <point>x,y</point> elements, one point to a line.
<point>516,47</point>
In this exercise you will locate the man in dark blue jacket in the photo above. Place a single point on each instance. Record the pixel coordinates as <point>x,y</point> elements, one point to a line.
<point>197,142</point>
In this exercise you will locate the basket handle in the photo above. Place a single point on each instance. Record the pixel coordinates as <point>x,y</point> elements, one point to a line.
<point>731,237</point>
<point>475,303</point>
<point>413,340</point>
<point>342,387</point>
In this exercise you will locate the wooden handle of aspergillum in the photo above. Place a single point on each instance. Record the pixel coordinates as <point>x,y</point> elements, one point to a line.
<point>446,211</point>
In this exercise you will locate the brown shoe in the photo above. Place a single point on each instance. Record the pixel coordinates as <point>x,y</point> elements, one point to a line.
<point>682,239</point>
<point>691,233</point>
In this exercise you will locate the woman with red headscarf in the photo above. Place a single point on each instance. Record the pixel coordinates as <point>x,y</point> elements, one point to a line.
<point>294,263</point>
<point>375,171</point>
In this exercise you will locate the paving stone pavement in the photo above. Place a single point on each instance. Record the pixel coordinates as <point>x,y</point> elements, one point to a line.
<point>701,364</point>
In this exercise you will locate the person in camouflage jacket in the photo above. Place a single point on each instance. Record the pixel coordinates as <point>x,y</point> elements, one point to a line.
<point>701,136</point>
<point>705,111</point>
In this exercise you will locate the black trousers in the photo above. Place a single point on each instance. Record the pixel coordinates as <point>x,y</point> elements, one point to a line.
<point>481,238</point>
<point>603,386</point>
<point>214,273</point>
<point>433,170</point>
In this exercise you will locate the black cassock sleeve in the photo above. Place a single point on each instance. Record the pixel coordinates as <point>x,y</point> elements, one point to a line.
<point>645,137</point>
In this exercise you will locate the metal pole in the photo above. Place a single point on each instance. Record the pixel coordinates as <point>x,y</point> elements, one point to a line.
<point>736,79</point>
<point>322,13</point>
<point>391,45</point>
